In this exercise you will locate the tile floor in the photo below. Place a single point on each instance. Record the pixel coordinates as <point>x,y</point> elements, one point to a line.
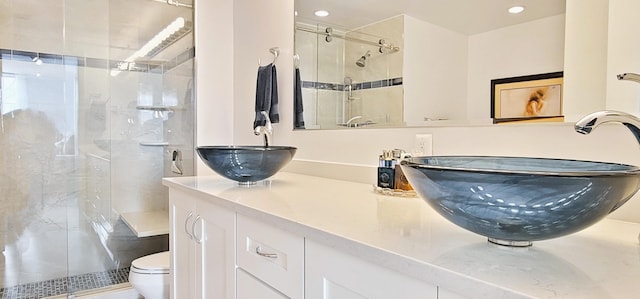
<point>59,286</point>
<point>123,292</point>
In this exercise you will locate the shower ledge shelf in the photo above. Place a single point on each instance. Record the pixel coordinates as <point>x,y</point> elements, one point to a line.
<point>147,223</point>
<point>158,143</point>
<point>160,108</point>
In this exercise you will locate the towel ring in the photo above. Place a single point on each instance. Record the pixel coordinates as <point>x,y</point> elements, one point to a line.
<point>275,51</point>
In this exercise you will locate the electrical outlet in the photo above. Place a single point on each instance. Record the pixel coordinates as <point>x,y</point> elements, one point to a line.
<point>424,145</point>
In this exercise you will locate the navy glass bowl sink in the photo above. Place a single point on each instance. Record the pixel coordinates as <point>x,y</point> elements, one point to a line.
<point>514,201</point>
<point>246,164</point>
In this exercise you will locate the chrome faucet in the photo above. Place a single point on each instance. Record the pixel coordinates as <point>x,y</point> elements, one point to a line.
<point>266,130</point>
<point>348,123</point>
<point>591,121</point>
<point>629,76</point>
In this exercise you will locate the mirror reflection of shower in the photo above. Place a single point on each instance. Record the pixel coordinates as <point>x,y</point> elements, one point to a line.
<point>354,76</point>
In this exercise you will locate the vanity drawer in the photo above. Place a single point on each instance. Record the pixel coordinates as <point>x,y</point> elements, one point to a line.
<point>272,255</point>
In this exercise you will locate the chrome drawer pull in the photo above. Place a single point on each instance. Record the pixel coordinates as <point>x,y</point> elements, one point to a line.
<point>193,230</point>
<point>267,255</point>
<point>186,225</point>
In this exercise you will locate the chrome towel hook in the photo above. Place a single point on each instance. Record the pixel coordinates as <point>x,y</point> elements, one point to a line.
<point>275,51</point>
<point>296,61</point>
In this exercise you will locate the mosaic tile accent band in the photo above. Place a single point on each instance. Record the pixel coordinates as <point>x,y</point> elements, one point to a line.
<point>355,86</point>
<point>59,286</point>
<point>79,61</point>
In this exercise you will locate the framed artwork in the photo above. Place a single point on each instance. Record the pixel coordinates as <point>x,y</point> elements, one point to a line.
<point>527,98</point>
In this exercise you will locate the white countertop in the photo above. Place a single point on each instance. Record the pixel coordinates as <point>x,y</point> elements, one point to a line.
<point>406,235</point>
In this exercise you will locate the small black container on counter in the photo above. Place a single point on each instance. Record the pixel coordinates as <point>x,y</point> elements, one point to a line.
<point>386,177</point>
<point>390,174</point>
<point>386,170</point>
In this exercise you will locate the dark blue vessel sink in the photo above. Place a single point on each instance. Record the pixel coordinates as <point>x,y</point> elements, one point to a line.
<point>246,164</point>
<point>514,201</point>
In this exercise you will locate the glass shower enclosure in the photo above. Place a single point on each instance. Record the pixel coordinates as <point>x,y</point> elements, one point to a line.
<point>96,106</point>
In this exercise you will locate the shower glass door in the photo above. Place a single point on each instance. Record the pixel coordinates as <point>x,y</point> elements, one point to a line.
<point>87,131</point>
<point>37,138</point>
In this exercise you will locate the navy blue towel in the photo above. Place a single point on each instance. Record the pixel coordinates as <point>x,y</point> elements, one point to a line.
<point>266,95</point>
<point>298,107</point>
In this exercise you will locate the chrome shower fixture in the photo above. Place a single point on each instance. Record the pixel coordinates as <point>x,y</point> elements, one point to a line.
<point>175,3</point>
<point>381,49</point>
<point>384,47</point>
<point>329,32</point>
<point>348,87</point>
<point>329,35</point>
<point>363,58</point>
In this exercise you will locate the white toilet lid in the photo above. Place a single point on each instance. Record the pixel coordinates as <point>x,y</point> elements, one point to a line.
<point>157,261</point>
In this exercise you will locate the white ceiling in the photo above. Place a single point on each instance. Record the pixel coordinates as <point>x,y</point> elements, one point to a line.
<point>464,16</point>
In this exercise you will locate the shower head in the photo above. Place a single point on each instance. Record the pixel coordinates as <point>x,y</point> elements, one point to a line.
<point>361,62</point>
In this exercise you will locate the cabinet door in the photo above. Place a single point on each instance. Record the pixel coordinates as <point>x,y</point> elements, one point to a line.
<point>181,216</point>
<point>250,287</point>
<point>215,236</point>
<point>330,274</point>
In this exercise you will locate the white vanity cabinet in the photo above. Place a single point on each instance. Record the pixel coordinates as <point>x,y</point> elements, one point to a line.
<point>330,274</point>
<point>202,248</point>
<point>305,237</point>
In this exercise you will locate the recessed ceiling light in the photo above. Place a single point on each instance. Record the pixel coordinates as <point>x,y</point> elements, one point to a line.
<point>321,13</point>
<point>516,9</point>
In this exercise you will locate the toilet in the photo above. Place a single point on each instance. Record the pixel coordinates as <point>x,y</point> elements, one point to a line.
<point>149,275</point>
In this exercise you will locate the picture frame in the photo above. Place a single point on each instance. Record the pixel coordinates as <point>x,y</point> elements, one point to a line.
<point>531,98</point>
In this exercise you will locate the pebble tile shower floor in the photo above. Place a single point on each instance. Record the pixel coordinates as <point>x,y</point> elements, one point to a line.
<point>59,286</point>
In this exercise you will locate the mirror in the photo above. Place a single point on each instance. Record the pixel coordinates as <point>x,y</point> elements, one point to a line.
<point>416,62</point>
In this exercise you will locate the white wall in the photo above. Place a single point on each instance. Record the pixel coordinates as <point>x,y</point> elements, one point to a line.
<point>585,57</point>
<point>457,69</point>
<point>435,72</point>
<point>526,49</point>
<point>258,26</point>
<point>214,74</point>
<point>353,154</point>
<point>623,55</point>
